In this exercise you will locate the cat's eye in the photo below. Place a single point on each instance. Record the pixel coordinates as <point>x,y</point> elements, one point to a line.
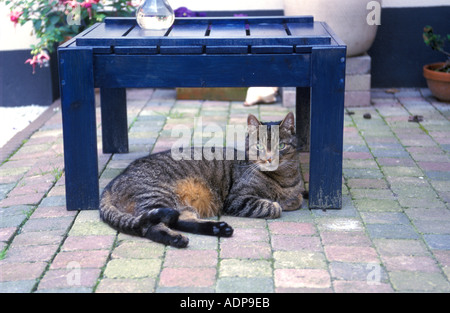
<point>259,146</point>
<point>282,146</point>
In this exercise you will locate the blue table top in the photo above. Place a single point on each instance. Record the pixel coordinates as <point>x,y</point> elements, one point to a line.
<point>212,35</point>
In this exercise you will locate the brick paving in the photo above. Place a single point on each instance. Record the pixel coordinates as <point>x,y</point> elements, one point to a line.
<point>392,234</point>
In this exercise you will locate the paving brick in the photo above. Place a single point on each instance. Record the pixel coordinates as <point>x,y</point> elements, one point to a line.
<point>362,173</point>
<point>132,268</point>
<point>82,258</point>
<point>402,171</point>
<point>54,237</point>
<point>23,254</point>
<point>368,272</point>
<point>351,238</point>
<point>248,234</point>
<point>73,243</point>
<point>69,278</point>
<point>54,211</point>
<point>340,224</point>
<point>245,249</point>
<point>139,250</point>
<point>21,271</point>
<point>372,194</point>
<point>292,243</point>
<point>435,166</point>
<point>143,285</point>
<point>91,229</point>
<point>292,228</point>
<point>187,277</point>
<point>438,242</point>
<point>419,281</point>
<point>393,247</point>
<point>244,285</point>
<point>299,259</point>
<point>443,257</point>
<point>351,254</point>
<point>30,199</point>
<point>361,287</point>
<point>54,201</point>
<point>302,278</point>
<point>7,233</point>
<point>410,263</point>
<point>245,268</point>
<point>46,224</point>
<point>403,162</point>
<point>21,286</point>
<point>377,205</point>
<point>385,218</point>
<point>392,231</point>
<point>367,183</point>
<point>190,258</point>
<point>433,227</point>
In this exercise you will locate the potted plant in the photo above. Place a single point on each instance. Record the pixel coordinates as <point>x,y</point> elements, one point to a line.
<point>354,21</point>
<point>55,21</point>
<point>437,74</point>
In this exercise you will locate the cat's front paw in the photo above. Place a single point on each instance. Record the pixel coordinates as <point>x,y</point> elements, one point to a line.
<point>276,210</point>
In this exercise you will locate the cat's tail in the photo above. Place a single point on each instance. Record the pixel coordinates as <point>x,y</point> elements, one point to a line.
<point>153,224</point>
<point>118,218</point>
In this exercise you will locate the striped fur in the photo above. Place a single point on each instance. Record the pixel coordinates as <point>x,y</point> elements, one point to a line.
<point>156,194</point>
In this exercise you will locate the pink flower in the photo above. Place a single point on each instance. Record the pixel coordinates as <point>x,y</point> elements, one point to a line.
<point>33,61</point>
<point>39,59</point>
<point>14,17</point>
<point>87,4</point>
<point>43,57</point>
<point>72,3</point>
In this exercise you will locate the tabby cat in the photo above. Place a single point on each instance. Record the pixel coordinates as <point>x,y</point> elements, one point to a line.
<point>156,195</point>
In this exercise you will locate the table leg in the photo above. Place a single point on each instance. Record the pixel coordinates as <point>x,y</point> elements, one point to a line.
<point>113,103</point>
<point>327,119</point>
<point>303,109</point>
<point>79,128</point>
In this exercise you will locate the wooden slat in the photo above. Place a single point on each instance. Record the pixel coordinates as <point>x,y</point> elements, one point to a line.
<point>136,50</point>
<point>138,32</point>
<point>272,49</point>
<point>181,49</point>
<point>267,30</point>
<point>226,49</point>
<point>311,33</point>
<point>139,71</point>
<point>108,31</point>
<point>227,30</point>
<point>188,30</point>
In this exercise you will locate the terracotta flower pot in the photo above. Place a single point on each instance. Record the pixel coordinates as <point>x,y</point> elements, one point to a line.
<point>438,82</point>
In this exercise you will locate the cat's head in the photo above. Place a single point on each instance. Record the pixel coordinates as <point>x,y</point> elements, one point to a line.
<point>271,145</point>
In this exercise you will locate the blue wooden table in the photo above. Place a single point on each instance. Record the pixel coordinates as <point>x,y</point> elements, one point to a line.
<point>202,52</point>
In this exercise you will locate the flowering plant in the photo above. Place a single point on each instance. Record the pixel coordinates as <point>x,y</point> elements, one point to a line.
<point>55,21</point>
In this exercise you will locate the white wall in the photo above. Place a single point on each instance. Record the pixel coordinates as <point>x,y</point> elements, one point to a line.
<point>227,5</point>
<point>14,38</point>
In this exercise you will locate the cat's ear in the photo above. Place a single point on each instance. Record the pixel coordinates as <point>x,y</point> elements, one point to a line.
<point>253,121</point>
<point>288,123</point>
